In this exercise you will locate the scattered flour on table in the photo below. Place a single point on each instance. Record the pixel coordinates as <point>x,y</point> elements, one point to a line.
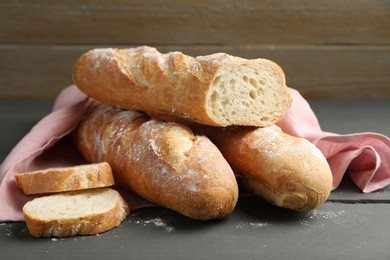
<point>322,215</point>
<point>251,225</point>
<point>327,214</point>
<point>11,231</point>
<point>7,229</point>
<point>155,222</point>
<point>8,232</point>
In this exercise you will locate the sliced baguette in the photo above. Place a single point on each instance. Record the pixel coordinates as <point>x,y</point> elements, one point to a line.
<point>66,179</point>
<point>217,89</point>
<point>85,212</point>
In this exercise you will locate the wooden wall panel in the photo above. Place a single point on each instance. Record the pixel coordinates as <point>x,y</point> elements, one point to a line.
<point>328,49</point>
<point>196,22</point>
<point>316,71</point>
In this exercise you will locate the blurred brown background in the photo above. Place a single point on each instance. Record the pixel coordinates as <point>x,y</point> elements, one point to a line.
<point>328,49</point>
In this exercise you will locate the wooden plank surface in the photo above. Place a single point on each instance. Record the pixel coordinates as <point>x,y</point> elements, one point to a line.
<point>327,48</point>
<point>41,71</point>
<point>255,230</point>
<point>195,22</point>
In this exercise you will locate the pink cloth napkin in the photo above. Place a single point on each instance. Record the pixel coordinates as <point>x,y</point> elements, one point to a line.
<point>362,155</point>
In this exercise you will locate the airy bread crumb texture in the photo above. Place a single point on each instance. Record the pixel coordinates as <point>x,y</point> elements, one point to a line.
<point>248,91</point>
<point>71,213</point>
<point>216,89</point>
<point>71,205</point>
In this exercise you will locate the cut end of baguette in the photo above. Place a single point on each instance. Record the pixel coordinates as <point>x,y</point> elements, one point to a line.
<point>66,178</point>
<point>217,89</point>
<point>248,92</point>
<point>75,213</point>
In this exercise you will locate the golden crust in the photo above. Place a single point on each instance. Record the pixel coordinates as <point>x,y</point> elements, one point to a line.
<point>284,170</point>
<point>162,162</point>
<point>170,84</point>
<point>66,179</point>
<point>88,224</point>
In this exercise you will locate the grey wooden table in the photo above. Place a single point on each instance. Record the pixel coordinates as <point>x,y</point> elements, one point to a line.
<point>350,225</point>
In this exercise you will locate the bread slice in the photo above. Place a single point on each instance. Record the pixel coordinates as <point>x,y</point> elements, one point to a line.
<point>66,179</point>
<point>217,89</point>
<point>85,212</point>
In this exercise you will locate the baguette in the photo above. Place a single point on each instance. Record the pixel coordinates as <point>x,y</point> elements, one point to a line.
<point>286,171</point>
<point>217,89</point>
<point>165,163</point>
<point>66,179</point>
<point>75,213</point>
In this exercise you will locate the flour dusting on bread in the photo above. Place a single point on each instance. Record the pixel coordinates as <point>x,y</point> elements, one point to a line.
<point>216,89</point>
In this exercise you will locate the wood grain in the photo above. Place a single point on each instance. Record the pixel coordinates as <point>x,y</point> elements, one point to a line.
<point>41,71</point>
<point>195,22</point>
<point>328,49</point>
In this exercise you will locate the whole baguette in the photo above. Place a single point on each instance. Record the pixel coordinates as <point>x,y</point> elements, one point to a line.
<point>86,212</point>
<point>217,89</point>
<point>284,170</point>
<point>66,179</point>
<point>162,162</point>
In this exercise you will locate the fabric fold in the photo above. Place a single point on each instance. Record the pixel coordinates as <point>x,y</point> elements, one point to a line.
<point>363,156</point>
